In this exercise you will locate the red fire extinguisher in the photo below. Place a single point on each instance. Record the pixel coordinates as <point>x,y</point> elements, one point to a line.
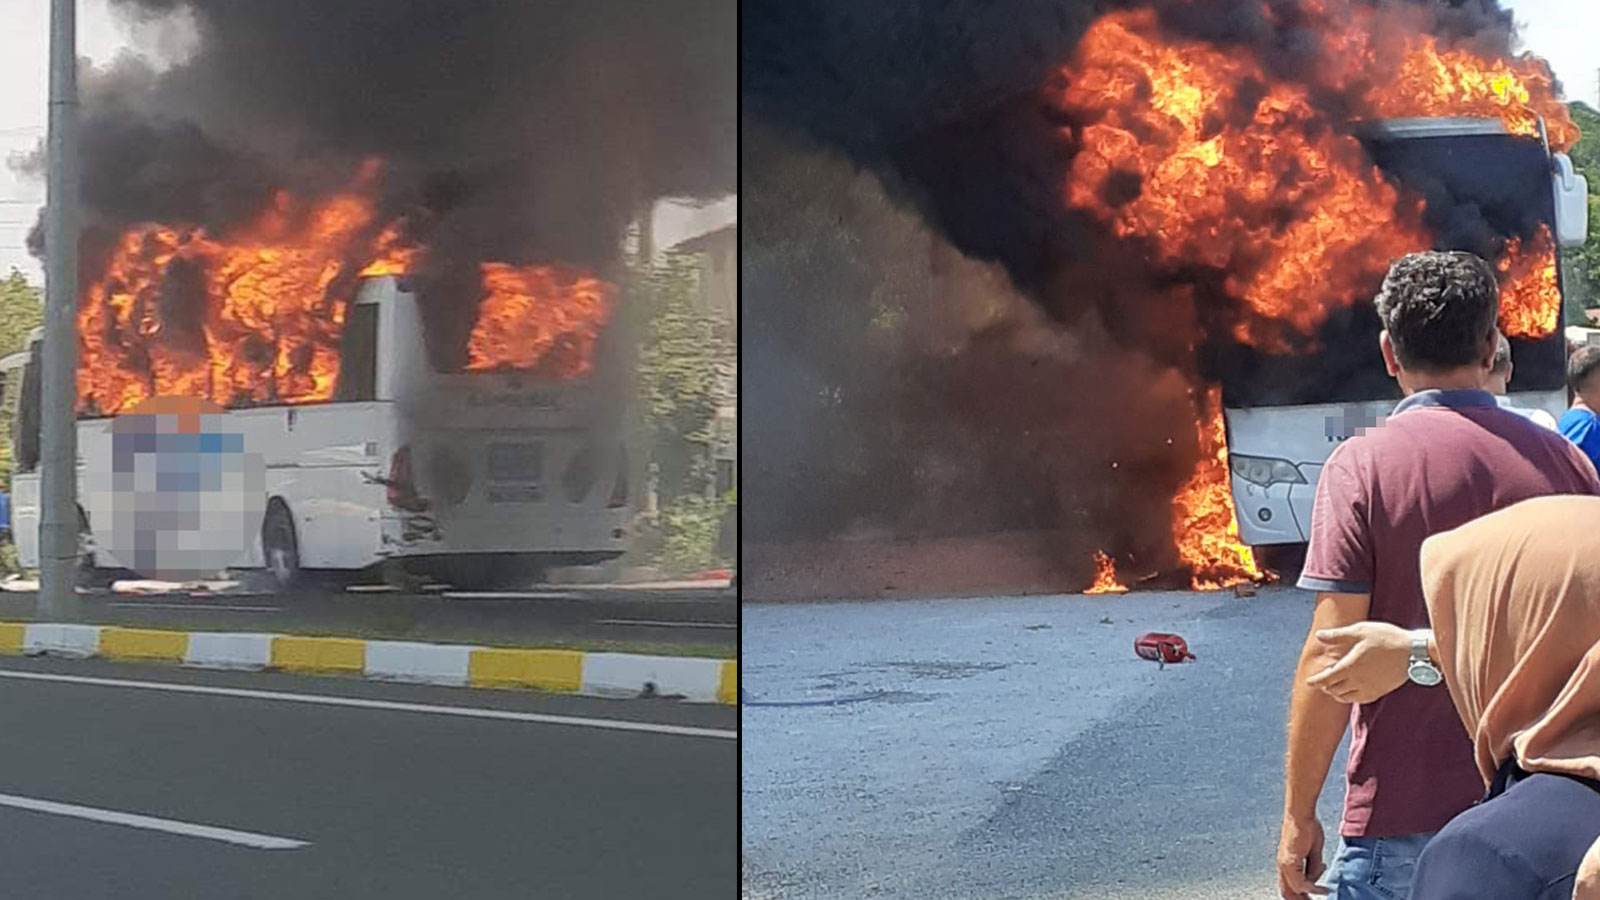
<point>1162,648</point>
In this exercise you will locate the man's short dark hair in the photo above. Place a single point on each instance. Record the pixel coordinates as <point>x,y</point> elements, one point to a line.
<point>1582,365</point>
<point>1502,355</point>
<point>1439,308</point>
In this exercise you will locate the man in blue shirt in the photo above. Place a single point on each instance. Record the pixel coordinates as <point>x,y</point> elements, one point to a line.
<point>1580,425</point>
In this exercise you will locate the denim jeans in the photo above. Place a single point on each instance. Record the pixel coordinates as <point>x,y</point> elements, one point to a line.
<point>1374,868</point>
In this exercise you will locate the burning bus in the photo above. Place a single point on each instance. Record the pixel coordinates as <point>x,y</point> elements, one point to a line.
<point>466,424</point>
<point>1483,186</point>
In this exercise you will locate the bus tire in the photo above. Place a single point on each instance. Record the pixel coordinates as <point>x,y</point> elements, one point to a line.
<point>90,576</point>
<point>280,547</point>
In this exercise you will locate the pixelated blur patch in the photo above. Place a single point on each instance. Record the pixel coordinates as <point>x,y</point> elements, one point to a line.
<point>182,497</point>
<point>1350,423</point>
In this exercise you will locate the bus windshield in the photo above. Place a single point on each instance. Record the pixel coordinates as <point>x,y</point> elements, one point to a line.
<point>1480,189</point>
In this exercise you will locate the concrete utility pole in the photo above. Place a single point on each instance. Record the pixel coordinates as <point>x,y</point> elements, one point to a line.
<point>58,520</point>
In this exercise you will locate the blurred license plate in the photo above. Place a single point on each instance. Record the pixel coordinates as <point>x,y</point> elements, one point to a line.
<point>516,462</point>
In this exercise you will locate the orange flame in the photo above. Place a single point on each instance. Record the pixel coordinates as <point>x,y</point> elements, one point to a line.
<point>1204,525</point>
<point>1204,156</point>
<point>256,316</point>
<point>1105,576</point>
<point>1530,295</point>
<point>1518,92</point>
<point>392,255</point>
<point>255,319</point>
<point>1271,198</point>
<point>1404,71</point>
<point>544,318</point>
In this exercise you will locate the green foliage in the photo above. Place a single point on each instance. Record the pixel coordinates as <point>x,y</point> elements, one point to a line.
<point>689,528</point>
<point>687,535</point>
<point>677,363</point>
<point>1582,273</point>
<point>678,387</point>
<point>21,311</point>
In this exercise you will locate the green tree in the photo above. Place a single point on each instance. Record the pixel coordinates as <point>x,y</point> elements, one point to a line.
<point>678,387</point>
<point>1582,270</point>
<point>677,365</point>
<point>21,311</point>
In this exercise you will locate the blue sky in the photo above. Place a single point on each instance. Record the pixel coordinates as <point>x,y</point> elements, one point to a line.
<point>1566,32</point>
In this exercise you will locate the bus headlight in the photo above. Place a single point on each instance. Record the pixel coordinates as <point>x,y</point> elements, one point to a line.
<point>1265,472</point>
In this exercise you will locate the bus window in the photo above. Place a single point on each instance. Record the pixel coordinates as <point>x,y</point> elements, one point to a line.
<point>358,355</point>
<point>25,427</point>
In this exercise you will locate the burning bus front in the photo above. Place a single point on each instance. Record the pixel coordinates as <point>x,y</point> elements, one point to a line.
<point>1485,190</point>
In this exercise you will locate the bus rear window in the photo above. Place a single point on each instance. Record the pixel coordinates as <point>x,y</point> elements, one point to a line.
<point>553,336</point>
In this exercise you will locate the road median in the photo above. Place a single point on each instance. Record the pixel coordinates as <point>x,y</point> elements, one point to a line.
<point>562,671</point>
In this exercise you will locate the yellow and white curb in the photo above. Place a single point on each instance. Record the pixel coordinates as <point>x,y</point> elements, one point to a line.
<point>696,680</point>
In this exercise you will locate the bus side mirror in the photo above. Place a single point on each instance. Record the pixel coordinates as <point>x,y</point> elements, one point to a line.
<point>1572,203</point>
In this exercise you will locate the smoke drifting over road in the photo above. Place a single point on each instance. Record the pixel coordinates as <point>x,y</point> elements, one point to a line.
<point>894,386</point>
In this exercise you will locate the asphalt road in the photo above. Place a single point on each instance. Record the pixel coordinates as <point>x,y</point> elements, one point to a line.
<point>387,803</point>
<point>1016,748</point>
<point>681,621</point>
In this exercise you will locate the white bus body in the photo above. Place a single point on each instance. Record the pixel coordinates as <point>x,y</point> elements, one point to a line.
<point>483,478</point>
<point>1276,452</point>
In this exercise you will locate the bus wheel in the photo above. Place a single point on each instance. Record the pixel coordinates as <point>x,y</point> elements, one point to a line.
<point>90,577</point>
<point>280,547</point>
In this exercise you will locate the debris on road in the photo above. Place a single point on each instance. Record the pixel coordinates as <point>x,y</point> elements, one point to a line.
<point>1162,648</point>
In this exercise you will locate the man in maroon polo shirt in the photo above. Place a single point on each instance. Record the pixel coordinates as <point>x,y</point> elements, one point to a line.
<point>1448,454</point>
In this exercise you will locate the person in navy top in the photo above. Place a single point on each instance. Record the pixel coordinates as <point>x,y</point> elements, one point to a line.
<point>1514,601</point>
<point>1579,424</point>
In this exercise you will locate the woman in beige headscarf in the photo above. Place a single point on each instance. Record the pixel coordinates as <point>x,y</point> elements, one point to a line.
<point>1514,599</point>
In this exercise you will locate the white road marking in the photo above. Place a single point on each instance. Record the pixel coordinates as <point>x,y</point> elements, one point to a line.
<point>669,624</point>
<point>454,594</point>
<point>151,823</point>
<point>134,604</point>
<point>472,712</point>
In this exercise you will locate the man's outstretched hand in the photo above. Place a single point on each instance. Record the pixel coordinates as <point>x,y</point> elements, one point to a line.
<point>1300,859</point>
<point>1364,661</point>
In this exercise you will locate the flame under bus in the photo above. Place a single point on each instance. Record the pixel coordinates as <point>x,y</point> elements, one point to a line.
<point>484,478</point>
<point>1285,413</point>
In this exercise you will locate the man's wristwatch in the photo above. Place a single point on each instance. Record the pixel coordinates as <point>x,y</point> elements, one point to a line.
<point>1422,670</point>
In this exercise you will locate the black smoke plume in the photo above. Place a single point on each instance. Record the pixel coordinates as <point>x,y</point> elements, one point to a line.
<point>527,132</point>
<point>939,102</point>
<point>940,98</point>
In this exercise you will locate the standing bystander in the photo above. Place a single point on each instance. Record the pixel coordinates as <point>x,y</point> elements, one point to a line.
<point>1447,455</point>
<point>1500,382</point>
<point>1580,424</point>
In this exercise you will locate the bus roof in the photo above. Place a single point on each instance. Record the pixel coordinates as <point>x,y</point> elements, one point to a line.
<point>1400,129</point>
